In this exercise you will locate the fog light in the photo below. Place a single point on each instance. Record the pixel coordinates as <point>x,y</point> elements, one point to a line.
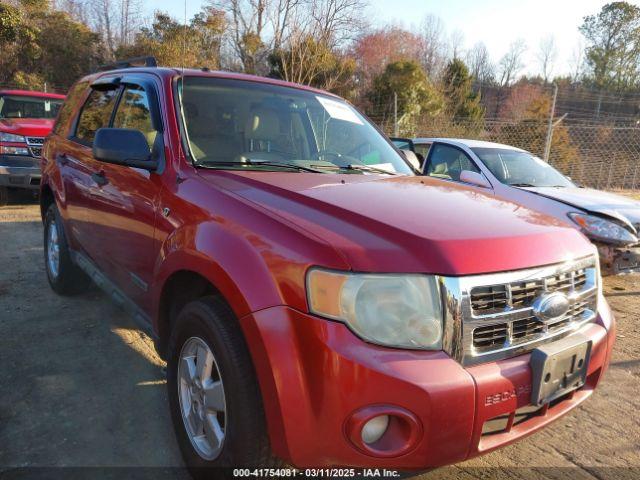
<point>373,430</point>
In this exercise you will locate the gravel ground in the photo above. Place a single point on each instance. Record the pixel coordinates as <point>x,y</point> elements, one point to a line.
<point>82,387</point>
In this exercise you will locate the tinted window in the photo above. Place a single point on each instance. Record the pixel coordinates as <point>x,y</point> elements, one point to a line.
<point>19,106</point>
<point>448,162</point>
<point>95,114</point>
<point>133,112</point>
<point>70,104</point>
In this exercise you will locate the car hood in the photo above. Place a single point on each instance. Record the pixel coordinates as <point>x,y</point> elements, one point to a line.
<point>597,201</point>
<point>409,224</point>
<point>35,127</point>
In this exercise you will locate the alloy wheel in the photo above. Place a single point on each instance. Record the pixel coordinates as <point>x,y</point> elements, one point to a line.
<point>202,399</point>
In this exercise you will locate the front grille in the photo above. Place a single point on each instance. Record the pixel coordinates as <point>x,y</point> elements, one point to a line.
<point>498,298</point>
<point>35,146</point>
<point>496,311</point>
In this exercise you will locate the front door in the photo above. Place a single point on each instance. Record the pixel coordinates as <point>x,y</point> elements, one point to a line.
<point>126,200</point>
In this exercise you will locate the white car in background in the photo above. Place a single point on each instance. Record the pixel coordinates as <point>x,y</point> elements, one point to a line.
<point>610,221</point>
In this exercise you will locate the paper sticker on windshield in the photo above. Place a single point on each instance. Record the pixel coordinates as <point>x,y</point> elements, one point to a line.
<point>339,110</point>
<point>47,106</point>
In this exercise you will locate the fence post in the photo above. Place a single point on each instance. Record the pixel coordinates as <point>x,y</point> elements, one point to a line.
<point>395,114</point>
<point>635,171</point>
<point>547,145</point>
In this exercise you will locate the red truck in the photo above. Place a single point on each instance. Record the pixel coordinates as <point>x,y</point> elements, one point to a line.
<point>26,118</point>
<point>317,303</point>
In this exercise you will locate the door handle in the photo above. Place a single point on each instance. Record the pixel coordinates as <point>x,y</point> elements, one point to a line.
<point>99,178</point>
<point>62,159</point>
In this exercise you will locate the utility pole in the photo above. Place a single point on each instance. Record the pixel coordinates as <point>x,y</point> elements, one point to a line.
<point>547,145</point>
<point>395,114</point>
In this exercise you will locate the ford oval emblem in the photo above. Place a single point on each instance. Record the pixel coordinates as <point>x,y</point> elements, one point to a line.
<point>550,306</point>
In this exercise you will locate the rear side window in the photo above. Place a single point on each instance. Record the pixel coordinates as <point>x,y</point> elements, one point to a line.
<point>134,112</point>
<point>64,117</point>
<point>95,114</point>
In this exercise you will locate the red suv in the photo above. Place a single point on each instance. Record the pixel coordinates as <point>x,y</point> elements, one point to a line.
<point>26,118</point>
<point>317,303</point>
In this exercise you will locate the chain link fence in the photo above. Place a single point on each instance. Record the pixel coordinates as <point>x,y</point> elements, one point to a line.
<point>592,137</point>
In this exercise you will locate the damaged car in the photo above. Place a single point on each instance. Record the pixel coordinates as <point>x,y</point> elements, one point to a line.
<point>610,221</point>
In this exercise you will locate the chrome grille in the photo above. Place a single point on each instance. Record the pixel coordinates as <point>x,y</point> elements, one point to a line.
<point>35,146</point>
<point>492,316</point>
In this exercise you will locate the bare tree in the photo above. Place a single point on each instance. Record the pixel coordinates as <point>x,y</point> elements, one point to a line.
<point>456,43</point>
<point>511,63</point>
<point>480,65</point>
<point>432,32</point>
<point>577,61</point>
<point>547,55</point>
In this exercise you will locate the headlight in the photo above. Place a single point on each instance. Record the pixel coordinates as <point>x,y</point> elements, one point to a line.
<point>10,137</point>
<point>13,150</point>
<point>387,309</point>
<point>600,229</point>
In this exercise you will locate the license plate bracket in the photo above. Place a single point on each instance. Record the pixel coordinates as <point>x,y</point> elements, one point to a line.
<point>558,368</point>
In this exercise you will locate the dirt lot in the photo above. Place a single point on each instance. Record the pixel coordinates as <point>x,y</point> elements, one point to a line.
<point>82,387</point>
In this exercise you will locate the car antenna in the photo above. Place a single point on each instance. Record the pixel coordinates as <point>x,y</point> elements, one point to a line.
<point>184,37</point>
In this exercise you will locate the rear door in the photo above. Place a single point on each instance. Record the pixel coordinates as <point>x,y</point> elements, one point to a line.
<point>79,170</point>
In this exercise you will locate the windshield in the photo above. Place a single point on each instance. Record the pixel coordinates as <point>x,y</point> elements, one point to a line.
<point>19,106</point>
<point>518,168</point>
<point>250,125</point>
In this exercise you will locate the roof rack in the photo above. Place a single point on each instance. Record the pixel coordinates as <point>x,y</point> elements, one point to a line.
<point>129,63</point>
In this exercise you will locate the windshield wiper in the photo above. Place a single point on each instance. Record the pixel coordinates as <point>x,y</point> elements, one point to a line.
<point>260,163</point>
<point>358,167</point>
<point>521,185</point>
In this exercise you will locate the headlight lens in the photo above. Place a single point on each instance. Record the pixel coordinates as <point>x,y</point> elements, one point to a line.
<point>393,310</point>
<point>601,229</point>
<point>10,137</point>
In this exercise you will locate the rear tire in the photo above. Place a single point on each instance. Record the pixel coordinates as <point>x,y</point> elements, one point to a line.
<point>235,414</point>
<point>64,276</point>
<point>4,196</point>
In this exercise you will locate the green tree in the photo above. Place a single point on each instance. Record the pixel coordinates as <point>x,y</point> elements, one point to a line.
<point>460,99</point>
<point>613,46</point>
<point>417,98</point>
<point>20,50</point>
<point>176,45</point>
<point>69,48</point>
<point>312,62</point>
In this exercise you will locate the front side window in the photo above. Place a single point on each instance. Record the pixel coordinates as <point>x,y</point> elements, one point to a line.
<point>133,112</point>
<point>96,114</point>
<point>20,106</point>
<point>520,168</point>
<point>448,162</point>
<point>241,124</point>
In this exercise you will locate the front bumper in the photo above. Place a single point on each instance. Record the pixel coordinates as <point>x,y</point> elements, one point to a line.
<point>19,171</point>
<point>318,380</point>
<point>617,260</point>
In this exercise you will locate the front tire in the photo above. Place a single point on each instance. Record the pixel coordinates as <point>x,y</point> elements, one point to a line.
<point>64,276</point>
<point>215,401</point>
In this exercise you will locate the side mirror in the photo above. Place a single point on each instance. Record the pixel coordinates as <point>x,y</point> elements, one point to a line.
<point>474,178</point>
<point>412,158</point>
<point>122,146</point>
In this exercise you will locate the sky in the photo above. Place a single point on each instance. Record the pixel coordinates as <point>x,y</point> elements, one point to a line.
<point>497,23</point>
